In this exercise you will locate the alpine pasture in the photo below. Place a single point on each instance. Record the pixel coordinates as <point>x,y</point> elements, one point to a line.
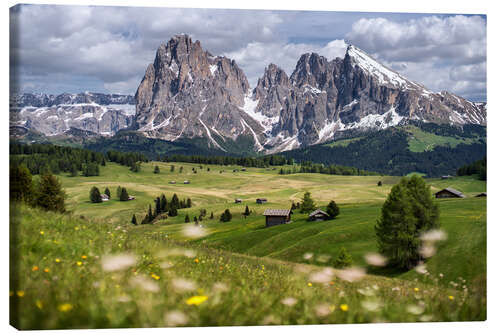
<point>92,268</point>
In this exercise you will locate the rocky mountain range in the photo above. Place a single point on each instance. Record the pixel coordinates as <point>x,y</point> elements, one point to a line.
<point>52,115</point>
<point>188,93</point>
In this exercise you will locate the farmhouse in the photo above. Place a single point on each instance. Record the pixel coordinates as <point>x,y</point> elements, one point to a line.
<point>483,194</point>
<point>261,200</point>
<point>186,182</point>
<point>446,177</point>
<point>238,200</point>
<point>172,182</point>
<point>449,192</point>
<point>104,197</point>
<point>130,197</point>
<point>318,215</point>
<point>277,216</point>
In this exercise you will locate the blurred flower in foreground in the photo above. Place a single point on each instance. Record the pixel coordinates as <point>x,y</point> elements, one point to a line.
<point>65,307</point>
<point>145,284</point>
<point>427,250</point>
<point>220,287</point>
<point>323,310</point>
<point>375,259</point>
<point>308,256</point>
<point>415,309</point>
<point>117,262</point>
<point>196,300</point>
<point>352,274</point>
<point>175,318</point>
<point>183,285</point>
<point>192,231</point>
<point>323,276</point>
<point>371,305</point>
<point>433,236</point>
<point>344,307</point>
<point>289,301</point>
<point>421,268</point>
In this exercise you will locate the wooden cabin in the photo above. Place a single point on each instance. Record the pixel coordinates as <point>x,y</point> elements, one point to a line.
<point>238,200</point>
<point>483,194</point>
<point>277,216</point>
<point>130,197</point>
<point>261,200</point>
<point>172,182</point>
<point>449,192</point>
<point>446,177</point>
<point>104,197</point>
<point>186,182</point>
<point>318,215</point>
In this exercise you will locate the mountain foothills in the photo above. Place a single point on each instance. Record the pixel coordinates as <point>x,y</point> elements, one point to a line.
<point>191,99</point>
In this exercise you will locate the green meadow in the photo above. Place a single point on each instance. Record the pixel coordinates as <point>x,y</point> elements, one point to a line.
<point>238,272</point>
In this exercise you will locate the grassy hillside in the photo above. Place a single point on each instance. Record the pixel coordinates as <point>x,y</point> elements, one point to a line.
<point>63,279</point>
<point>245,270</point>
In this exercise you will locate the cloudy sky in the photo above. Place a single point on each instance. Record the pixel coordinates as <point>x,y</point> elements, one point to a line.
<point>57,49</point>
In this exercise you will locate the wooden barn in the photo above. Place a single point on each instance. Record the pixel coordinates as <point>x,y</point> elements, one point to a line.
<point>238,200</point>
<point>172,182</point>
<point>483,194</point>
<point>446,177</point>
<point>186,182</point>
<point>277,216</point>
<point>261,200</point>
<point>449,192</point>
<point>318,215</point>
<point>104,197</point>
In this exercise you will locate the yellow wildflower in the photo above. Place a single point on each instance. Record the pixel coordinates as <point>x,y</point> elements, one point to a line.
<point>41,232</point>
<point>35,268</point>
<point>76,228</point>
<point>196,300</point>
<point>46,270</point>
<point>416,289</point>
<point>309,284</point>
<point>84,257</point>
<point>196,260</point>
<point>79,263</point>
<point>20,293</point>
<point>39,304</point>
<point>58,260</point>
<point>451,298</point>
<point>344,307</point>
<point>65,307</point>
<point>154,276</point>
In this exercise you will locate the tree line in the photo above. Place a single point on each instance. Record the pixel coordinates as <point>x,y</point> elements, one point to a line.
<point>332,169</point>
<point>475,168</point>
<point>258,162</point>
<point>161,206</point>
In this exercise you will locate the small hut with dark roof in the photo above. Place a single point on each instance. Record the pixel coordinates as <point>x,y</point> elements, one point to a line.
<point>318,215</point>
<point>277,216</point>
<point>482,194</point>
<point>449,192</point>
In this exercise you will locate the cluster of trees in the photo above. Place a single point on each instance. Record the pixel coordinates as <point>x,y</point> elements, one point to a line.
<point>48,158</point>
<point>121,193</point>
<point>387,152</point>
<point>199,218</point>
<point>309,167</point>
<point>95,194</point>
<point>46,193</point>
<point>162,206</point>
<point>408,211</point>
<point>258,162</point>
<point>226,216</point>
<point>476,168</point>
<point>307,205</point>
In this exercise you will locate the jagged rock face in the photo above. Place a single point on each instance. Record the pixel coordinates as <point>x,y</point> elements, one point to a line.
<point>187,92</point>
<point>56,115</point>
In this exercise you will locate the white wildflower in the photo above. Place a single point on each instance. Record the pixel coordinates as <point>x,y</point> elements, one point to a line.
<point>175,318</point>
<point>415,309</point>
<point>421,269</point>
<point>183,285</point>
<point>433,236</point>
<point>289,301</point>
<point>375,259</point>
<point>308,256</point>
<point>193,231</point>
<point>427,250</point>
<point>145,284</point>
<point>117,262</point>
<point>322,310</point>
<point>371,305</point>
<point>323,276</point>
<point>351,274</point>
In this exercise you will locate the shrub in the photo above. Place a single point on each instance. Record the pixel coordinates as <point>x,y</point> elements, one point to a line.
<point>50,195</point>
<point>343,260</point>
<point>332,209</point>
<point>95,195</point>
<point>124,194</point>
<point>226,216</point>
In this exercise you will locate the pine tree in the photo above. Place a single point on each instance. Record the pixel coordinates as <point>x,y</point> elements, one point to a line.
<point>124,194</point>
<point>307,204</point>
<point>134,220</point>
<point>332,209</point>
<point>118,192</point>
<point>107,192</point>
<point>157,206</point>
<point>396,230</point>
<point>95,195</point>
<point>50,195</point>
<point>21,184</point>
<point>247,211</point>
<point>172,211</point>
<point>211,215</point>
<point>343,260</point>
<point>150,215</point>
<point>226,216</point>
<point>379,183</point>
<point>195,219</point>
<point>200,218</point>
<point>73,170</point>
<point>189,203</point>
<point>172,168</point>
<point>181,168</point>
<point>163,203</point>
<point>175,201</point>
<point>157,169</point>
<point>186,219</point>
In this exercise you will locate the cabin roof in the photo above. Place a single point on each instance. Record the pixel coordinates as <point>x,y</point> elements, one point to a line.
<point>317,211</point>
<point>452,190</point>
<point>276,212</point>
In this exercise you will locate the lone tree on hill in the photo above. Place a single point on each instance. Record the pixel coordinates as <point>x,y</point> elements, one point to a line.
<point>308,204</point>
<point>175,201</point>
<point>379,183</point>
<point>186,219</point>
<point>107,192</point>
<point>124,194</point>
<point>163,203</point>
<point>408,211</point>
<point>134,220</point>
<point>95,195</point>
<point>50,195</point>
<point>21,184</point>
<point>211,215</point>
<point>157,169</point>
<point>118,192</point>
<point>172,168</point>
<point>343,260</point>
<point>332,209</point>
<point>247,211</point>
<point>226,216</point>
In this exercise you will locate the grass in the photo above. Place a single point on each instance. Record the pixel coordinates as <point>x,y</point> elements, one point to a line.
<point>420,141</point>
<point>244,269</point>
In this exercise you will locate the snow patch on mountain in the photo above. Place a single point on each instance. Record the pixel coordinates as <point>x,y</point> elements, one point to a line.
<point>249,107</point>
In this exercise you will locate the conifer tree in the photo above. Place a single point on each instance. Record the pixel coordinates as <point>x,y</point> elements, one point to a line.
<point>150,214</point>
<point>107,192</point>
<point>175,201</point>
<point>307,204</point>
<point>195,219</point>
<point>188,203</point>
<point>134,220</point>
<point>247,211</point>
<point>226,216</point>
<point>186,219</point>
<point>343,260</point>
<point>332,209</point>
<point>118,192</point>
<point>163,203</point>
<point>95,195</point>
<point>157,206</point>
<point>211,215</point>
<point>50,195</point>
<point>21,184</point>
<point>156,170</point>
<point>124,194</point>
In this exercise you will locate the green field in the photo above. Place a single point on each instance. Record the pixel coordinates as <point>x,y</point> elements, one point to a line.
<point>421,141</point>
<point>245,270</point>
